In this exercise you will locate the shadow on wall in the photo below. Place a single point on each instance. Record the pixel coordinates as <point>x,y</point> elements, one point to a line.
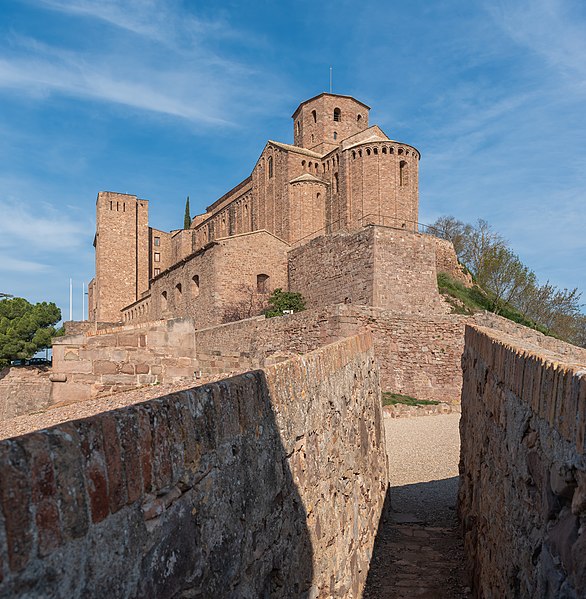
<point>186,495</point>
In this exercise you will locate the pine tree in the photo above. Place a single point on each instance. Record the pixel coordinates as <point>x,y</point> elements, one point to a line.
<point>187,217</point>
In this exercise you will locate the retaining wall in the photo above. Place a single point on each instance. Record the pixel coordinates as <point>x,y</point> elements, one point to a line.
<point>522,495</point>
<point>269,484</point>
<point>23,389</point>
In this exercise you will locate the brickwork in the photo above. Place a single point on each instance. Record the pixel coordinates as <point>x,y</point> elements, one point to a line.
<point>233,488</point>
<point>523,468</point>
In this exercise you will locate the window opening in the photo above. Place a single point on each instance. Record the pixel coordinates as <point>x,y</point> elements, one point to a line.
<point>262,283</point>
<point>337,115</point>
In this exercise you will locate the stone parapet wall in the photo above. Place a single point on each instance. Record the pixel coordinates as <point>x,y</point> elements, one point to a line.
<point>23,389</point>
<point>122,358</point>
<point>522,497</point>
<point>250,487</point>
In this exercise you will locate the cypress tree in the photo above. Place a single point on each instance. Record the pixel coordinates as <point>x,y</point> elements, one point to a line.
<point>187,217</point>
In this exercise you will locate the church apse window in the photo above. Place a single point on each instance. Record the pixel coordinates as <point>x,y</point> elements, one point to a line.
<point>337,115</point>
<point>403,174</point>
<point>262,283</point>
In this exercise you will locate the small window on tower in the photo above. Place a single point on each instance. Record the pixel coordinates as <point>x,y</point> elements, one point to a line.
<point>337,115</point>
<point>314,115</point>
<point>358,118</point>
<point>335,135</point>
<point>157,271</point>
<point>157,241</point>
<point>157,257</point>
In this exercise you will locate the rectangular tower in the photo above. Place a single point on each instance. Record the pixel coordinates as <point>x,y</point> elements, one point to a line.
<point>122,254</point>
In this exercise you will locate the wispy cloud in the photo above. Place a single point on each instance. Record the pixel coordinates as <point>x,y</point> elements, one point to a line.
<point>28,228</point>
<point>550,28</point>
<point>175,66</point>
<point>9,264</point>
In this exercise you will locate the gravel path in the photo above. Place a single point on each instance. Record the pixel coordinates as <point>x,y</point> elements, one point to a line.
<point>418,550</point>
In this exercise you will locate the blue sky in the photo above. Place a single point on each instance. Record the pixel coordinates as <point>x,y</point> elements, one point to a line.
<point>164,99</point>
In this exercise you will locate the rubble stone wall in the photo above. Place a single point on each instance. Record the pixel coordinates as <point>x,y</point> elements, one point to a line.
<point>522,495</point>
<point>269,484</point>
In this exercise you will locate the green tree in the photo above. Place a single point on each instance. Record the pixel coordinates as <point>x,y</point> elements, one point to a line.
<point>284,300</point>
<point>187,217</point>
<point>25,328</point>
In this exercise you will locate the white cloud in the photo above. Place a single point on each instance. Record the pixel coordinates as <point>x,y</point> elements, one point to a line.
<point>9,264</point>
<point>26,229</point>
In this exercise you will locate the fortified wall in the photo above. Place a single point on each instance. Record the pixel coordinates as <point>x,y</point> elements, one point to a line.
<point>523,466</point>
<point>232,489</point>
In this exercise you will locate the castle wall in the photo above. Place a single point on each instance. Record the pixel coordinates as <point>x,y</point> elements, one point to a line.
<point>522,495</point>
<point>220,278</point>
<point>334,269</point>
<point>377,266</point>
<point>405,277</point>
<point>232,488</point>
<point>447,261</point>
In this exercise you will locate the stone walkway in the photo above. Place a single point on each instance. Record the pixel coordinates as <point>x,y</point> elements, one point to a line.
<point>418,550</point>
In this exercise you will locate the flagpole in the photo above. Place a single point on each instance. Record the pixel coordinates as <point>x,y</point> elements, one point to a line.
<point>70,299</point>
<point>82,301</point>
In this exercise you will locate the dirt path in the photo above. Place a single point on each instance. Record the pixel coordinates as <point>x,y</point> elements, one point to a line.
<point>418,551</point>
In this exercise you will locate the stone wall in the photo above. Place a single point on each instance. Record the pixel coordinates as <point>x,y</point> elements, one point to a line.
<point>447,261</point>
<point>122,358</point>
<point>23,389</point>
<point>522,495</point>
<point>251,487</point>
<point>377,266</point>
<point>219,278</point>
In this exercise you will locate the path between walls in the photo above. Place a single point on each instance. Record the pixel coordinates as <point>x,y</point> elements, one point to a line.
<point>418,550</point>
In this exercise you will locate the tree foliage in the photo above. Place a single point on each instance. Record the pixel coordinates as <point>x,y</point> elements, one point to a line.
<point>25,328</point>
<point>509,283</point>
<point>187,216</point>
<point>282,301</point>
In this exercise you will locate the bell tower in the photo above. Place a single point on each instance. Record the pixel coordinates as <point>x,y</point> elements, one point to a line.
<point>322,122</point>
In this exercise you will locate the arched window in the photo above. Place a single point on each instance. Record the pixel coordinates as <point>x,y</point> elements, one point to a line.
<point>195,285</point>
<point>318,196</point>
<point>400,151</point>
<point>303,163</point>
<point>403,174</point>
<point>337,115</point>
<point>335,182</point>
<point>262,283</point>
<point>375,150</point>
<point>270,167</point>
<point>298,127</point>
<point>368,151</point>
<point>314,115</point>
<point>164,300</point>
<point>316,168</point>
<point>384,149</point>
<point>358,118</point>
<point>178,293</point>
<point>335,135</point>
<point>353,153</point>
